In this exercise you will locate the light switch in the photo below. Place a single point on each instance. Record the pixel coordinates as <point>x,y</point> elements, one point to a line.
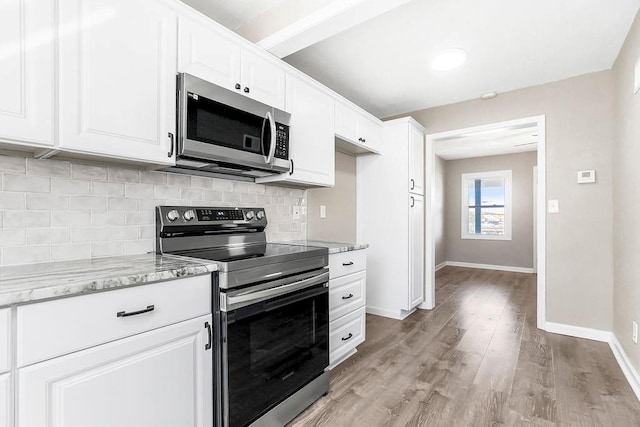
<point>553,206</point>
<point>323,211</point>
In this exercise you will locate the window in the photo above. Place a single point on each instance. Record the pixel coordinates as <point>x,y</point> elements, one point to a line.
<point>486,205</point>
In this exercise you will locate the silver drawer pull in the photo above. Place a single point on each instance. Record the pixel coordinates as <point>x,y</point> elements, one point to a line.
<point>135,313</point>
<point>348,296</point>
<point>347,264</point>
<point>348,337</point>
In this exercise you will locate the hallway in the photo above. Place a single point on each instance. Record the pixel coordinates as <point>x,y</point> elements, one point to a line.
<point>476,359</point>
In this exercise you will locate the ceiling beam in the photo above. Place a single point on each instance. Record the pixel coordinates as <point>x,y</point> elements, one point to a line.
<point>335,18</point>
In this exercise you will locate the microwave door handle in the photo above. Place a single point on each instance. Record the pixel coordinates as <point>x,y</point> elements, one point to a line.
<point>272,147</point>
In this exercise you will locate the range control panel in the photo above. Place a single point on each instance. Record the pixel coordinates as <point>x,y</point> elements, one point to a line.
<point>203,216</point>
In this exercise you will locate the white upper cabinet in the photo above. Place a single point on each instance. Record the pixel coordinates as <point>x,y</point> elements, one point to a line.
<point>263,81</point>
<point>117,63</point>
<point>353,126</point>
<point>416,160</point>
<point>208,54</point>
<point>311,136</point>
<point>26,72</point>
<point>205,51</point>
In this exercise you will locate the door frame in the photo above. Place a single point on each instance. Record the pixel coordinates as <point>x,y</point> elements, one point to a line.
<point>540,239</point>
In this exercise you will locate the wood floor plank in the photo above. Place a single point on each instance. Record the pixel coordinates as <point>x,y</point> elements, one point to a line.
<point>476,359</point>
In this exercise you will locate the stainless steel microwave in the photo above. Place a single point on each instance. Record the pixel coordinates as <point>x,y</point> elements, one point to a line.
<point>221,132</point>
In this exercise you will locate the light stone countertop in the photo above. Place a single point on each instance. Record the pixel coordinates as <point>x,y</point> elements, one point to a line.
<point>35,282</point>
<point>334,247</point>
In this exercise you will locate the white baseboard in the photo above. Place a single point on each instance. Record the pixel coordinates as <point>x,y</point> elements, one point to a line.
<point>393,314</point>
<point>630,373</point>
<point>578,332</point>
<point>441,265</point>
<point>490,267</point>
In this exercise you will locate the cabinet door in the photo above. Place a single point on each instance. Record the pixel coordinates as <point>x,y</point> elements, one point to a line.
<point>416,161</point>
<point>371,133</point>
<point>26,72</point>
<point>161,378</point>
<point>416,250</point>
<point>117,78</point>
<point>205,53</point>
<point>311,137</point>
<point>262,80</point>
<point>346,123</point>
<point>5,401</point>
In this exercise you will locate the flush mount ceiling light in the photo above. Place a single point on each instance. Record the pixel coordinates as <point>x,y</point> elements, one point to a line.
<point>449,59</point>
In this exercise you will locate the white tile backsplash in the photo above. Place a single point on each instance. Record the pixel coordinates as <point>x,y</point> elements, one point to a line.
<point>53,210</point>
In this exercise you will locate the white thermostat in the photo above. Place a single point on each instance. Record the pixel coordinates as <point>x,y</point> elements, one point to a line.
<point>586,177</point>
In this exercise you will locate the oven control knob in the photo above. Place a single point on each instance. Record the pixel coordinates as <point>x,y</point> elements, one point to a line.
<point>189,215</point>
<point>172,215</point>
<point>260,215</point>
<point>250,215</point>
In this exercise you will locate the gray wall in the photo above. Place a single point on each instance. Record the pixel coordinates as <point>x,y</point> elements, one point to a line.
<point>438,210</point>
<point>517,252</point>
<point>580,127</point>
<point>626,291</point>
<point>340,200</point>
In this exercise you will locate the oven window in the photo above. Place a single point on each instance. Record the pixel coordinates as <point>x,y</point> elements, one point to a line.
<point>211,122</point>
<point>274,348</point>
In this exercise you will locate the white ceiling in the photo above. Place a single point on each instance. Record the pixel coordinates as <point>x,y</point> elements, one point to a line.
<point>383,64</point>
<point>489,143</point>
<point>233,13</point>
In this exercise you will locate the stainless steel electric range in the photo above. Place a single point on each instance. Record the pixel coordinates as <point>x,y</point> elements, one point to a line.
<point>271,312</point>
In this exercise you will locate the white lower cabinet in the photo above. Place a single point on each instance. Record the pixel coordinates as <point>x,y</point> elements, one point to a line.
<point>347,301</point>
<point>5,401</point>
<point>160,378</point>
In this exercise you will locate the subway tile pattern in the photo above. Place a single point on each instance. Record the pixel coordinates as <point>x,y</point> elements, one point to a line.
<point>55,210</point>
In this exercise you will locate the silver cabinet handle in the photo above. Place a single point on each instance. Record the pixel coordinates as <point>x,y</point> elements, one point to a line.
<point>207,346</point>
<point>170,153</point>
<point>135,313</point>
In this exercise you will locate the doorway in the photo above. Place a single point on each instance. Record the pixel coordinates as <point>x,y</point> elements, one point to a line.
<point>483,133</point>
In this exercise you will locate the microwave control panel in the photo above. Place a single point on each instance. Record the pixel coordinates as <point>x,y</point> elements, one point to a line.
<point>282,141</point>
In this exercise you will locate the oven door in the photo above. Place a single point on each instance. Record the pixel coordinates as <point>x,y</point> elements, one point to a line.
<point>274,343</point>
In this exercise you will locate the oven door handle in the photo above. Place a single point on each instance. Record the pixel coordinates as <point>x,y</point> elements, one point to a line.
<point>258,296</point>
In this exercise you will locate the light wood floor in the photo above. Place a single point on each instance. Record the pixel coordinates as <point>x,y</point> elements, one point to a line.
<point>477,359</point>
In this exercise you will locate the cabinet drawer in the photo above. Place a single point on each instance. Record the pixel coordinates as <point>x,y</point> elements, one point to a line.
<point>53,328</point>
<point>345,263</point>
<point>5,334</point>
<point>345,334</point>
<point>346,294</point>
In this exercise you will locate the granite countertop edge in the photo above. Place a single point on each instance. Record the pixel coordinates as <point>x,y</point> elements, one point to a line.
<point>38,282</point>
<point>333,247</point>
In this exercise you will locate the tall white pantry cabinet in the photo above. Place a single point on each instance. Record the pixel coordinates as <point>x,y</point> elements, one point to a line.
<point>391,219</point>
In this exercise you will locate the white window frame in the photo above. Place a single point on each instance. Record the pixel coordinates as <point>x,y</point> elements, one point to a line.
<point>464,206</point>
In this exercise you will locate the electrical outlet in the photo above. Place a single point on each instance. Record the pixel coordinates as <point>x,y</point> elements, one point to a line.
<point>296,212</point>
<point>553,206</point>
<point>634,336</point>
